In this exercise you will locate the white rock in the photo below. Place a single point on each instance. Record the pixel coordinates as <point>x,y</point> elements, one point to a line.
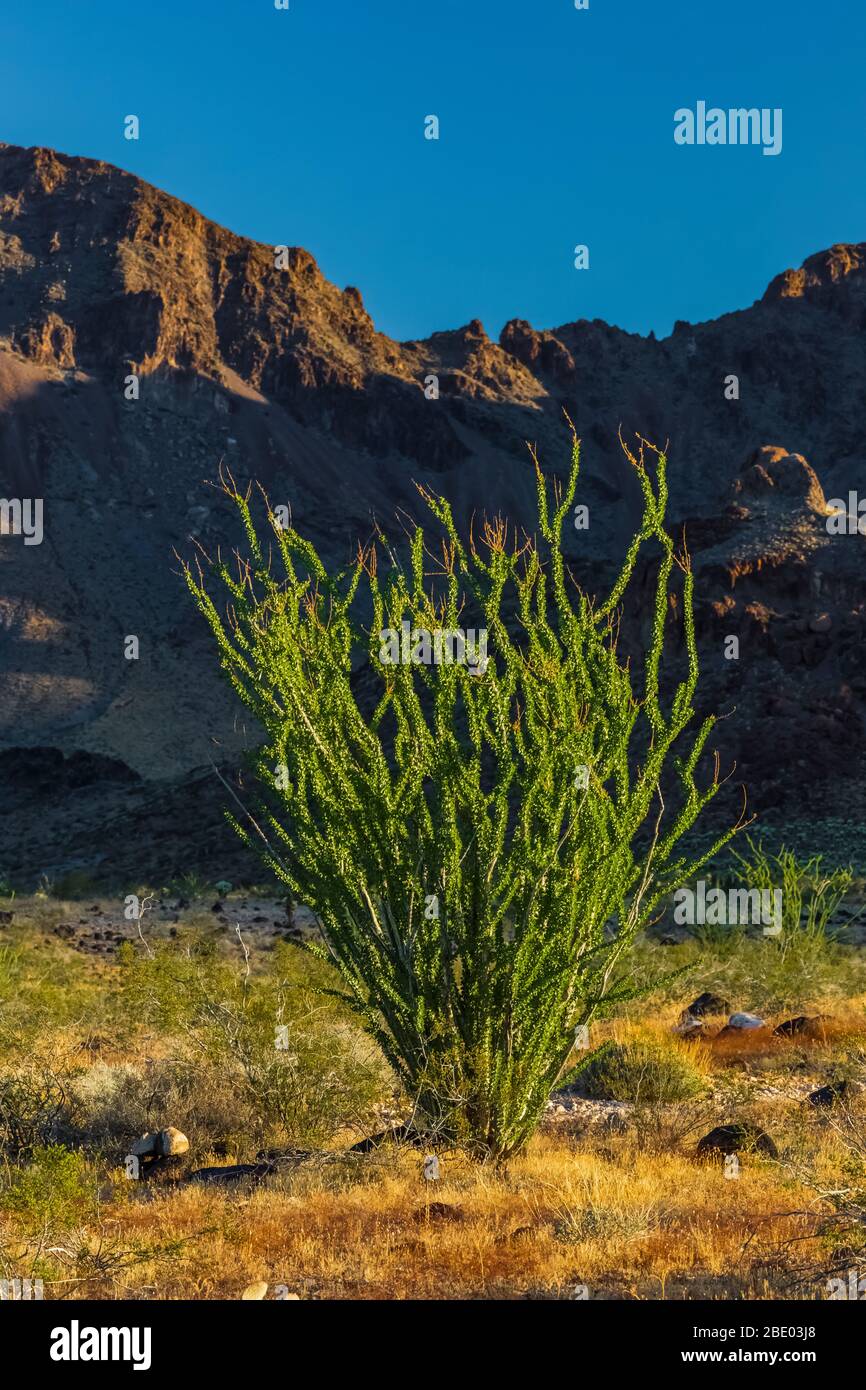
<point>745,1021</point>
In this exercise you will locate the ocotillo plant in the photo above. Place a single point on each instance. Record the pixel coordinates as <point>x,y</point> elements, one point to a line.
<point>484,845</point>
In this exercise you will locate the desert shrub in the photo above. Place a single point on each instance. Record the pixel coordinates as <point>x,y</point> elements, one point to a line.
<point>34,1110</point>
<point>189,885</point>
<point>55,1188</point>
<point>810,895</point>
<point>261,1054</point>
<point>602,1223</point>
<point>761,977</point>
<point>721,940</point>
<point>211,1105</point>
<point>74,884</point>
<point>642,1072</point>
<point>467,846</point>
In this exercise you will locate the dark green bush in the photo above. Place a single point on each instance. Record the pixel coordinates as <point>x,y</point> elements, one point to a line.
<point>644,1073</point>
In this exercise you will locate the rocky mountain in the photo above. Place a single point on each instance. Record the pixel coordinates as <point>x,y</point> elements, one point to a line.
<point>142,345</point>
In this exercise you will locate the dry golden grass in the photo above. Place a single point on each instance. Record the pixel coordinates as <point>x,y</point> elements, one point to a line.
<point>621,1223</point>
<point>628,1214</point>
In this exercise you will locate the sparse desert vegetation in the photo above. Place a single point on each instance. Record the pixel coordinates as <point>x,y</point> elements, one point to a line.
<point>176,1026</point>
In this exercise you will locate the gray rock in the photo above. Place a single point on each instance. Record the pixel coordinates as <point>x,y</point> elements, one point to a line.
<point>147,1144</point>
<point>745,1021</point>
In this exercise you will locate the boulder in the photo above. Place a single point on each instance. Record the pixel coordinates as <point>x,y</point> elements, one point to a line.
<point>740,1023</point>
<point>705,1004</point>
<point>147,1144</point>
<point>157,1168</point>
<point>170,1142</point>
<point>745,1021</point>
<point>164,1143</point>
<point>828,1095</point>
<point>791,1027</point>
<point>255,1291</point>
<point>736,1139</point>
<point>804,1025</point>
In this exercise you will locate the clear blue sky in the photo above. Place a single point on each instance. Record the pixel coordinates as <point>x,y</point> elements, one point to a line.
<point>306,127</point>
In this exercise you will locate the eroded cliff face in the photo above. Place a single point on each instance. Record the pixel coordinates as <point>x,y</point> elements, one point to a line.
<point>246,354</point>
